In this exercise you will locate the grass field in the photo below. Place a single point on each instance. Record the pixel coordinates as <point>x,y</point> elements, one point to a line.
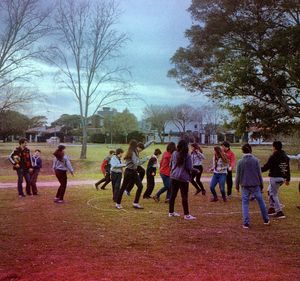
<point>88,239</point>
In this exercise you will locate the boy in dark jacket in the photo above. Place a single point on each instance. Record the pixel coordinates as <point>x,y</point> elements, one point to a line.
<point>21,160</point>
<point>105,169</point>
<point>152,166</point>
<point>37,165</point>
<point>279,172</point>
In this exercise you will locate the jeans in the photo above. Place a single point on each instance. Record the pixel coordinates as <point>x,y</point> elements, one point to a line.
<point>229,182</point>
<point>23,173</point>
<point>218,178</point>
<point>62,178</point>
<point>131,177</point>
<point>256,192</point>
<point>116,182</point>
<point>184,189</point>
<point>166,187</point>
<point>273,190</point>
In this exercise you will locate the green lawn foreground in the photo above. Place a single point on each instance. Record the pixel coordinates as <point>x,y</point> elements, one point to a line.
<point>88,239</point>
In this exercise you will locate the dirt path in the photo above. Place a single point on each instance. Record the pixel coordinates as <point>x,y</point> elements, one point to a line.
<point>92,182</point>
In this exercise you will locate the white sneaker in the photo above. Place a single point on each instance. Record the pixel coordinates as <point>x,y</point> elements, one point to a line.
<point>174,214</point>
<point>118,206</point>
<point>137,206</point>
<point>189,217</point>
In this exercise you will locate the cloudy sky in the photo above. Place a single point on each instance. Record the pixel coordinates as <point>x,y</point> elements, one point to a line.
<point>156,30</point>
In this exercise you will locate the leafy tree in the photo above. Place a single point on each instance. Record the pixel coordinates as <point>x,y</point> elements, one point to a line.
<point>13,123</point>
<point>38,121</point>
<point>71,123</point>
<point>245,52</point>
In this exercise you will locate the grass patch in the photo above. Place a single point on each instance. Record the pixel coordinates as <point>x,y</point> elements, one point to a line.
<point>87,239</point>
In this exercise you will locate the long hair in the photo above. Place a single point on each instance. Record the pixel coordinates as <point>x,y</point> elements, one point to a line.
<point>59,153</point>
<point>171,147</point>
<point>220,154</point>
<point>131,149</point>
<point>183,150</point>
<point>196,146</point>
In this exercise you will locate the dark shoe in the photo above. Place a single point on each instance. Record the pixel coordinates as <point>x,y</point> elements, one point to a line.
<point>214,199</point>
<point>246,226</point>
<point>271,212</point>
<point>156,199</point>
<point>298,206</point>
<point>97,188</point>
<point>197,191</point>
<point>267,222</point>
<point>204,192</point>
<point>103,188</point>
<point>224,198</point>
<point>279,215</point>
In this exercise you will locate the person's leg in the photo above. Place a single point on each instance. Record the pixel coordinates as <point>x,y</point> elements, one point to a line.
<point>260,201</point>
<point>101,181</point>
<point>141,171</point>
<point>64,180</point>
<point>174,186</point>
<point>213,182</point>
<point>166,183</point>
<point>33,180</point>
<point>229,182</point>
<point>107,180</point>
<point>26,176</point>
<point>198,180</point>
<point>20,182</point>
<point>184,189</point>
<point>117,186</point>
<point>275,183</point>
<point>113,183</point>
<point>222,180</point>
<point>246,192</point>
<point>193,182</point>
<point>138,182</point>
<point>128,180</point>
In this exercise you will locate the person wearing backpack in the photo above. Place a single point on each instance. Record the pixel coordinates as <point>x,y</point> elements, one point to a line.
<point>105,169</point>
<point>61,165</point>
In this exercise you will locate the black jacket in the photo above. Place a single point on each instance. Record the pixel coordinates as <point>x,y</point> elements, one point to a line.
<point>279,165</point>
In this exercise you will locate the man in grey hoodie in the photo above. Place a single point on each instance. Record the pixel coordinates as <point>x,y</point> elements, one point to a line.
<point>248,175</point>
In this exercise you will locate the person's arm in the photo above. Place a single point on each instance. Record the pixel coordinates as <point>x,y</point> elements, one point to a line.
<point>268,165</point>
<point>115,163</point>
<point>260,175</point>
<point>288,173</point>
<point>11,157</point>
<point>69,165</point>
<point>232,161</point>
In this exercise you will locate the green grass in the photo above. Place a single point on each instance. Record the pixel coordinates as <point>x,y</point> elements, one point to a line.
<point>88,239</point>
<point>90,168</point>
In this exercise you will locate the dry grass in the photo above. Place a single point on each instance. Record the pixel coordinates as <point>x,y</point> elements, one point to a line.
<point>87,239</point>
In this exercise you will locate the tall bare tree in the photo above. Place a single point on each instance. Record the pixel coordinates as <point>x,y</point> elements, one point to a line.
<point>85,54</point>
<point>181,116</point>
<point>22,24</point>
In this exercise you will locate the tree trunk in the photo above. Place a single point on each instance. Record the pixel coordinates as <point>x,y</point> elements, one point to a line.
<point>84,142</point>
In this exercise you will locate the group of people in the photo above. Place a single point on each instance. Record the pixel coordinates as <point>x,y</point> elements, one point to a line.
<point>28,167</point>
<point>179,166</point>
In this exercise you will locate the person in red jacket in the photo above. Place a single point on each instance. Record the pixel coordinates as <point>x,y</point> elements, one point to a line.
<point>21,160</point>
<point>231,158</point>
<point>165,170</point>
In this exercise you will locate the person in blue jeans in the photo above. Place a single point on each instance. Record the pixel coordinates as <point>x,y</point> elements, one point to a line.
<point>220,166</point>
<point>248,176</point>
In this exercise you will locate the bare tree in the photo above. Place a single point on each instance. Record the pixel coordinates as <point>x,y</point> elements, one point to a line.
<point>158,116</point>
<point>85,54</point>
<point>22,25</point>
<point>181,116</point>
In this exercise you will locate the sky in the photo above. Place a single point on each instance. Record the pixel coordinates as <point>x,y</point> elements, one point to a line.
<point>156,30</point>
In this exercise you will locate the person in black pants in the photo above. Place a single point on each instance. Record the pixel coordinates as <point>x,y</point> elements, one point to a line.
<point>140,170</point>
<point>151,172</point>
<point>197,158</point>
<point>116,171</point>
<point>105,168</point>
<point>61,164</point>
<point>131,176</point>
